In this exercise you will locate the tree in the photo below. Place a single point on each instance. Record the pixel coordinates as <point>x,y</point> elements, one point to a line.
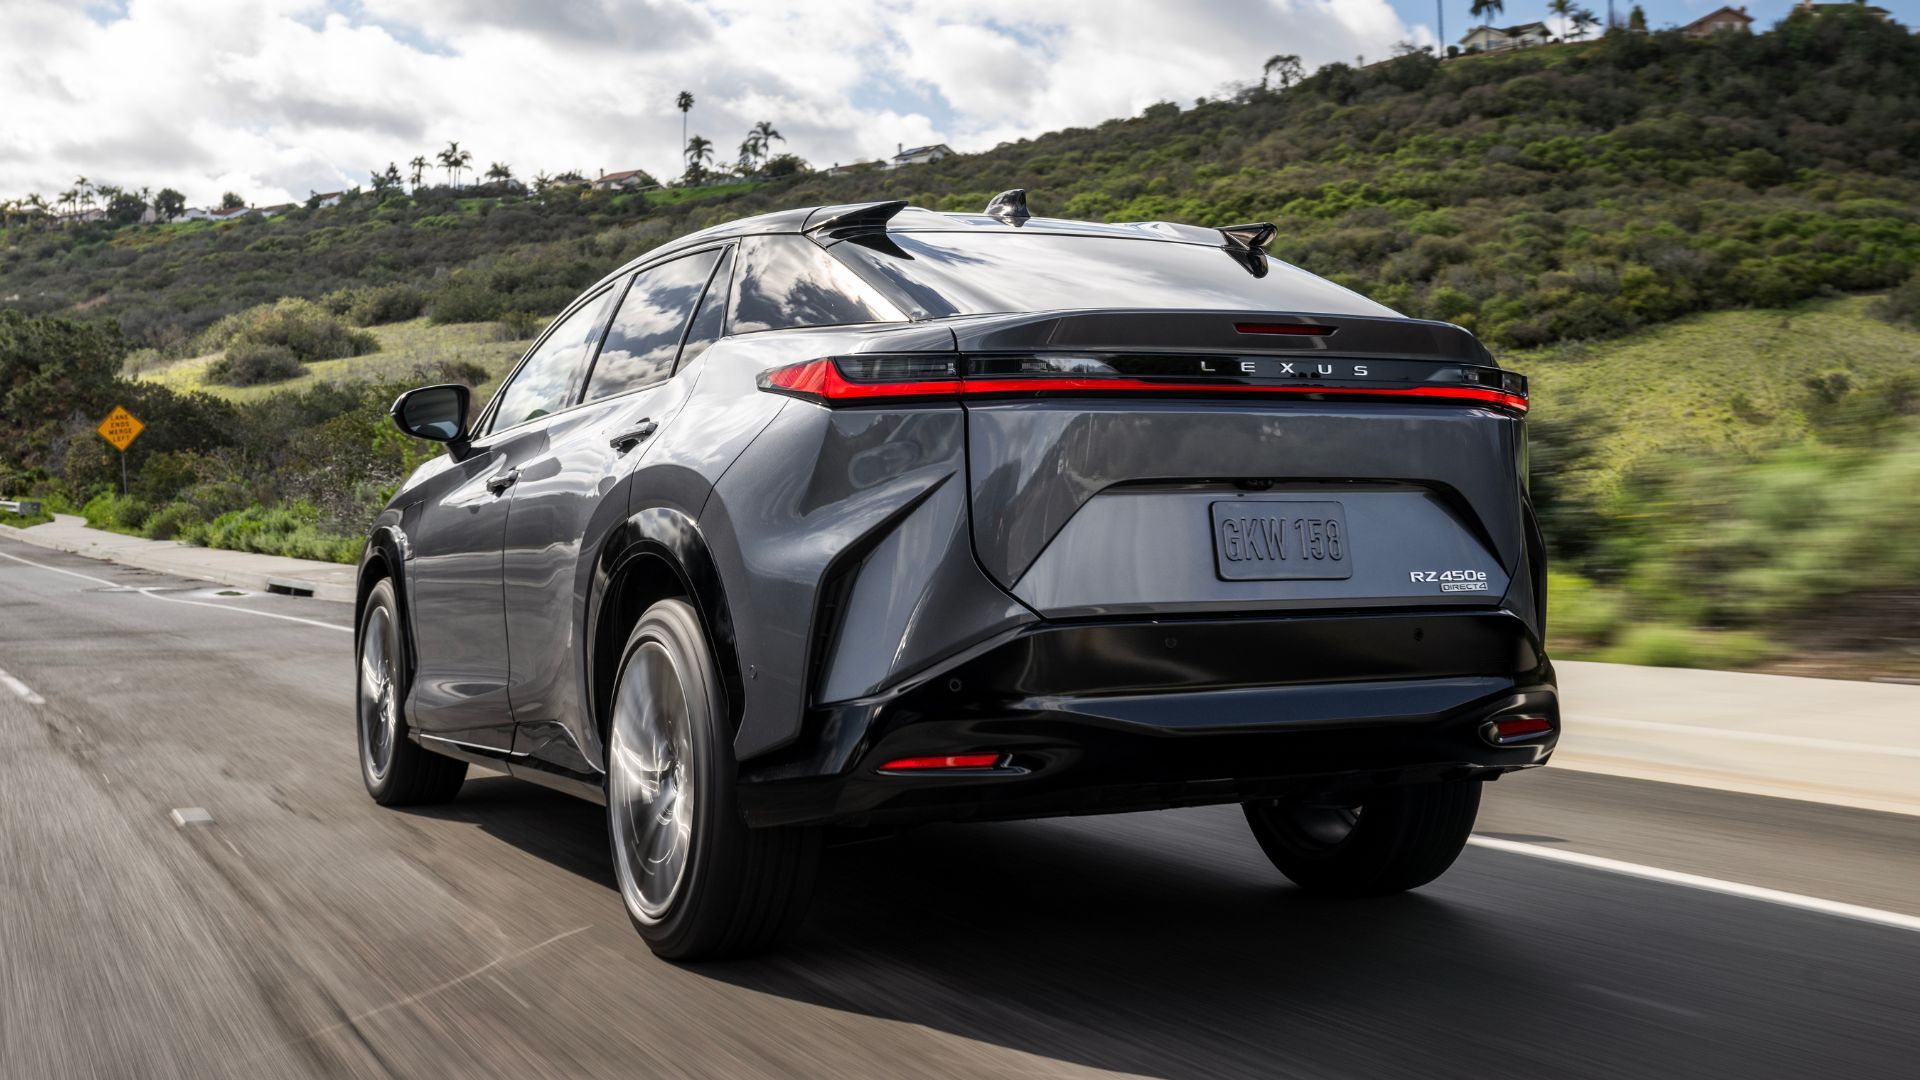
<point>1583,21</point>
<point>169,204</point>
<point>1285,69</point>
<point>1564,10</point>
<point>419,167</point>
<point>766,135</point>
<point>83,192</point>
<point>784,165</point>
<point>385,180</point>
<point>499,172</point>
<point>1637,20</point>
<point>684,103</point>
<point>541,182</point>
<point>454,160</point>
<point>125,207</point>
<point>37,205</point>
<point>1485,10</point>
<point>231,201</point>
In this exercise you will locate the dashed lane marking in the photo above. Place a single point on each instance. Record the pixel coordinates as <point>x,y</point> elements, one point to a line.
<point>1706,884</point>
<point>22,690</point>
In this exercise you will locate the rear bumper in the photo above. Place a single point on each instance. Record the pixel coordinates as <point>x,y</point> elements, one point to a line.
<point>1110,716</point>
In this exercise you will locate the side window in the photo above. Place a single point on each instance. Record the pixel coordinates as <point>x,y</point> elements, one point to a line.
<point>788,281</point>
<point>710,321</point>
<point>645,334</point>
<point>545,381</point>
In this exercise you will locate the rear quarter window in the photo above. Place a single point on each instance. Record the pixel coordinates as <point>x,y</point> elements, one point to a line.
<point>785,282</point>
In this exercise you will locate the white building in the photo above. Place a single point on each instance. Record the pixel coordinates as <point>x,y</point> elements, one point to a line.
<point>1500,38</point>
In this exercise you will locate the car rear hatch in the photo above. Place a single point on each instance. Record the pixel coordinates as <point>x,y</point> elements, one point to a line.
<point>1173,462</point>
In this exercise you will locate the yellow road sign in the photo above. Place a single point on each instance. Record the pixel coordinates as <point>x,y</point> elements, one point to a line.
<point>120,428</point>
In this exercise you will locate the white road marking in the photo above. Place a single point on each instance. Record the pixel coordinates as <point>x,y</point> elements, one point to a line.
<point>1808,741</point>
<point>1695,881</point>
<point>26,692</point>
<point>191,815</point>
<point>150,594</point>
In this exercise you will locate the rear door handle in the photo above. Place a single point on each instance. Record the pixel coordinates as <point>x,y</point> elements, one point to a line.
<point>504,481</point>
<point>630,439</point>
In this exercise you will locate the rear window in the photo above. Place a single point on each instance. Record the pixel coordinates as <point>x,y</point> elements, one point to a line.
<point>935,274</point>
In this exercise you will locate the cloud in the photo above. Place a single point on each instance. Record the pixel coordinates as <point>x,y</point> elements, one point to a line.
<point>275,98</point>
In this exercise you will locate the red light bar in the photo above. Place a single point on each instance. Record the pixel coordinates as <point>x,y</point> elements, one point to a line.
<point>951,761</point>
<point>1294,329</point>
<point>822,380</point>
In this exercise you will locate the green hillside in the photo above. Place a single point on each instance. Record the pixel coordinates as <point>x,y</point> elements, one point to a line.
<point>1681,241</point>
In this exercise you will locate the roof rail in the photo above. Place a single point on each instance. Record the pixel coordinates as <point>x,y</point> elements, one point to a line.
<point>1010,206</point>
<point>850,218</point>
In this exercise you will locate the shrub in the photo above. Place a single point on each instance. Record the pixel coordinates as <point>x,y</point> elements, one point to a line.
<point>1902,305</point>
<point>307,330</point>
<point>387,304</point>
<point>1580,611</point>
<point>292,531</point>
<point>253,363</point>
<point>464,299</point>
<point>119,513</point>
<point>171,521</point>
<point>1666,645</point>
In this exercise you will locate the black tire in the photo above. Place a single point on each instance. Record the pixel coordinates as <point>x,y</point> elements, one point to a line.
<point>1393,839</point>
<point>411,776</point>
<point>731,891</point>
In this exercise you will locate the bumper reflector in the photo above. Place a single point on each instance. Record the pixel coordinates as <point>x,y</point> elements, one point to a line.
<point>951,761</point>
<point>1513,729</point>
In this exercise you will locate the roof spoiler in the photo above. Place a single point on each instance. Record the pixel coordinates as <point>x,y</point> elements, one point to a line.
<point>1010,206</point>
<point>1248,244</point>
<point>849,219</point>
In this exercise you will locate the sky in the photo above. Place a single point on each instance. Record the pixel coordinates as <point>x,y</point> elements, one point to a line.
<point>275,99</point>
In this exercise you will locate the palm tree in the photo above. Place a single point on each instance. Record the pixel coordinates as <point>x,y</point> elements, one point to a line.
<point>499,172</point>
<point>83,189</point>
<point>699,155</point>
<point>685,104</point>
<point>454,160</point>
<point>67,199</point>
<point>1487,9</point>
<point>1583,21</point>
<point>419,166</point>
<point>1563,9</point>
<point>37,204</point>
<point>749,152</point>
<point>765,134</point>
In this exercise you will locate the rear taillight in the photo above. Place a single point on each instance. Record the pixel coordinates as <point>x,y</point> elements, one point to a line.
<point>946,762</point>
<point>854,380</point>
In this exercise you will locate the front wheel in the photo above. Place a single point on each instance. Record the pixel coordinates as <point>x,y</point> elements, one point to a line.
<point>396,771</point>
<point>697,883</point>
<point>1367,843</point>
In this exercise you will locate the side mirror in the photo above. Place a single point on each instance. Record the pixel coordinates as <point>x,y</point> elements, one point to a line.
<point>437,413</point>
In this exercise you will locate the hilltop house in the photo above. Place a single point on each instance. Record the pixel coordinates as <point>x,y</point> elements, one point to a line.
<point>919,155</point>
<point>321,199</point>
<point>628,180</point>
<point>1497,38</point>
<point>1812,8</point>
<point>1726,19</point>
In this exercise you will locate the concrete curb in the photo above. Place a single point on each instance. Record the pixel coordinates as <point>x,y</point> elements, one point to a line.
<point>240,569</point>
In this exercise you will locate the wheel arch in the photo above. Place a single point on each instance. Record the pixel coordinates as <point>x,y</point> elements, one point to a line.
<point>656,554</point>
<point>384,558</point>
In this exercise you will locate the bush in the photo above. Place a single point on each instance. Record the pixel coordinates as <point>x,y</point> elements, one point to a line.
<point>1666,645</point>
<point>171,522</point>
<point>292,531</point>
<point>118,513</point>
<point>1580,611</point>
<point>386,304</point>
<point>307,330</point>
<point>253,363</point>
<point>1902,305</point>
<point>464,299</point>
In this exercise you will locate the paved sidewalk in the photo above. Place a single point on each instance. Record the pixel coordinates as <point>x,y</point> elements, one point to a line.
<point>241,569</point>
<point>1826,740</point>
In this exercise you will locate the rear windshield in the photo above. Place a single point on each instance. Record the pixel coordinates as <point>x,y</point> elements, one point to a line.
<point>934,274</point>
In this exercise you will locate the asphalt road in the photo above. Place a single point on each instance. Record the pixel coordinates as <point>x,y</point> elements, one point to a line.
<point>307,932</point>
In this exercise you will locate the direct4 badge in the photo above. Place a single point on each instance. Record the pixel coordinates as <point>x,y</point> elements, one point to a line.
<point>1452,580</point>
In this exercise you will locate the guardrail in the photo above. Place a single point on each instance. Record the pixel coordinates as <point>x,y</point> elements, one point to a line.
<point>23,507</point>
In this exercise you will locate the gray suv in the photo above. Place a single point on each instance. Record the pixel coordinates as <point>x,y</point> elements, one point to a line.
<point>866,515</point>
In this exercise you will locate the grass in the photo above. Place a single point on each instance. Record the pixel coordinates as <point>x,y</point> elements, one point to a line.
<point>404,347</point>
<point>1729,380</point>
<point>23,521</point>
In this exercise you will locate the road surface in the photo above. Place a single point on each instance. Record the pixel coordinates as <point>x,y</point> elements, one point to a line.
<point>306,932</point>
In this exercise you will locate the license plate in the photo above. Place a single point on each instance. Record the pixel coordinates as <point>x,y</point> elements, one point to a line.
<point>1280,539</point>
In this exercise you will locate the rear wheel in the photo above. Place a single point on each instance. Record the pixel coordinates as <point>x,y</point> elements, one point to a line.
<point>697,883</point>
<point>396,771</point>
<point>1367,843</point>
